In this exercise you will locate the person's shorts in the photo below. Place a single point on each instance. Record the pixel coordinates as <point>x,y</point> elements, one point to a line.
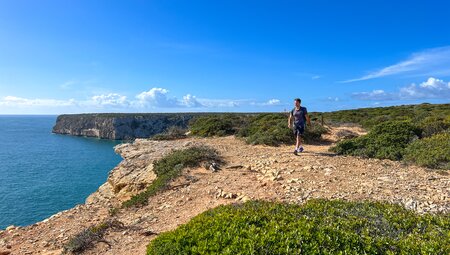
<point>299,130</point>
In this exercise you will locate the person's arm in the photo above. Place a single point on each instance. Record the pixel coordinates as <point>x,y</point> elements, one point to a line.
<point>308,120</point>
<point>289,120</point>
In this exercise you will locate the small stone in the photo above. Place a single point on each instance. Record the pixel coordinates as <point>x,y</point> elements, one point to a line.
<point>295,180</point>
<point>245,199</point>
<point>9,228</point>
<point>214,167</point>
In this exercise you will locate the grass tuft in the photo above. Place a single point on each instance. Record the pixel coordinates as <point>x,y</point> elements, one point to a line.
<point>170,167</point>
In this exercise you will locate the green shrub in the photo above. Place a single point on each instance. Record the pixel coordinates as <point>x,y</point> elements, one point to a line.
<point>433,125</point>
<point>369,117</point>
<point>217,124</point>
<point>271,129</point>
<point>317,227</point>
<point>170,167</point>
<point>172,133</point>
<point>431,152</point>
<point>386,140</point>
<point>314,132</point>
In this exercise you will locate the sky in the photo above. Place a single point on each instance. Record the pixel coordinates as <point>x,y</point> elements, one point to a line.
<point>221,56</point>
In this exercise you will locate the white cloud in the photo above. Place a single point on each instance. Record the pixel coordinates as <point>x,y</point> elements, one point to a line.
<point>315,77</point>
<point>431,88</point>
<point>155,98</point>
<point>434,61</point>
<point>190,101</point>
<point>20,101</point>
<point>158,97</point>
<point>377,94</point>
<point>273,102</point>
<point>111,99</point>
<point>218,103</point>
<point>332,99</point>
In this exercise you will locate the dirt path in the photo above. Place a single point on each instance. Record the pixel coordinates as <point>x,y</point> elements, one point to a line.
<point>252,172</point>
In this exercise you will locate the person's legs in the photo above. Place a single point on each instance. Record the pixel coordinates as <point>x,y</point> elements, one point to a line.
<point>299,138</point>
<point>296,134</point>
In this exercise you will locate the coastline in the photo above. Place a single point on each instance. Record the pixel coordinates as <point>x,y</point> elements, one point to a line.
<point>267,173</point>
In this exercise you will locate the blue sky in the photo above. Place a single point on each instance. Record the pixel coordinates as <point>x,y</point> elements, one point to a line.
<point>167,56</point>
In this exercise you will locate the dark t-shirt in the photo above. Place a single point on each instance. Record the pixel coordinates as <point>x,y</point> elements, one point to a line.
<point>299,116</point>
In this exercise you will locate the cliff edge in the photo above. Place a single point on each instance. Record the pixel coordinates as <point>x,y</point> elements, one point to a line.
<point>116,126</point>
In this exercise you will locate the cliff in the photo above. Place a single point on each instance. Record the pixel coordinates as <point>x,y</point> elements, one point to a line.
<point>119,126</point>
<point>251,172</point>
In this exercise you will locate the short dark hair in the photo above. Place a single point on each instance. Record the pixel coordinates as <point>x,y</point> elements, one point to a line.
<point>298,100</point>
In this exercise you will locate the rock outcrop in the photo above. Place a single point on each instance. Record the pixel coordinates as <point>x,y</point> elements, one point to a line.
<point>119,126</point>
<point>135,172</point>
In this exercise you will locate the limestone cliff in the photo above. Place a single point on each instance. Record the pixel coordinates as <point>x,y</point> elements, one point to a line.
<point>119,126</point>
<point>135,172</point>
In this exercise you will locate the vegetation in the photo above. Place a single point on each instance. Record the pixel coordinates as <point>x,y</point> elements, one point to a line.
<point>271,129</point>
<point>431,152</point>
<point>170,167</point>
<point>384,141</point>
<point>433,125</point>
<point>369,117</point>
<point>265,128</point>
<point>86,238</point>
<point>172,133</point>
<point>218,124</point>
<point>317,227</point>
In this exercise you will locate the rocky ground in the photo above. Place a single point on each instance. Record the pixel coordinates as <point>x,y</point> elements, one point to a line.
<point>251,172</point>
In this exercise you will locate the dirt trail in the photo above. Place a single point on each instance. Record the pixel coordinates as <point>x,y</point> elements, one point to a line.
<point>251,172</point>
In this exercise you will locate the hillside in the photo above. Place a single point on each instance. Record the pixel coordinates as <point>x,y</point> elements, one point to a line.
<point>250,172</point>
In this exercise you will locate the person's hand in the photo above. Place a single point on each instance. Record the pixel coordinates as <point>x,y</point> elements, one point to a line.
<point>289,125</point>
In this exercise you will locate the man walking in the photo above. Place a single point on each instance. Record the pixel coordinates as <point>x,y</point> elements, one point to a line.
<point>300,116</point>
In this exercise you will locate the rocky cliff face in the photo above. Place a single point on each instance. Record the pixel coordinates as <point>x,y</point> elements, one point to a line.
<point>119,126</point>
<point>135,172</point>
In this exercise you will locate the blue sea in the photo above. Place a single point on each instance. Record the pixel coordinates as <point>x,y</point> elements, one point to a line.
<point>43,173</point>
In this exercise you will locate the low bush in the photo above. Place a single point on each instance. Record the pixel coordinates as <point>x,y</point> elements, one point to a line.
<point>314,132</point>
<point>271,129</point>
<point>433,125</point>
<point>386,140</point>
<point>87,237</point>
<point>317,227</point>
<point>172,133</point>
<point>170,167</point>
<point>431,152</point>
<point>217,124</point>
<point>369,117</point>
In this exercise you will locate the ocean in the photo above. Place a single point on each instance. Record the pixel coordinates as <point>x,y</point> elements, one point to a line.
<point>43,173</point>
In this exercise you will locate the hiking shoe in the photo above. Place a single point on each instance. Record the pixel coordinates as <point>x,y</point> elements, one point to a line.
<point>300,149</point>
<point>295,152</point>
